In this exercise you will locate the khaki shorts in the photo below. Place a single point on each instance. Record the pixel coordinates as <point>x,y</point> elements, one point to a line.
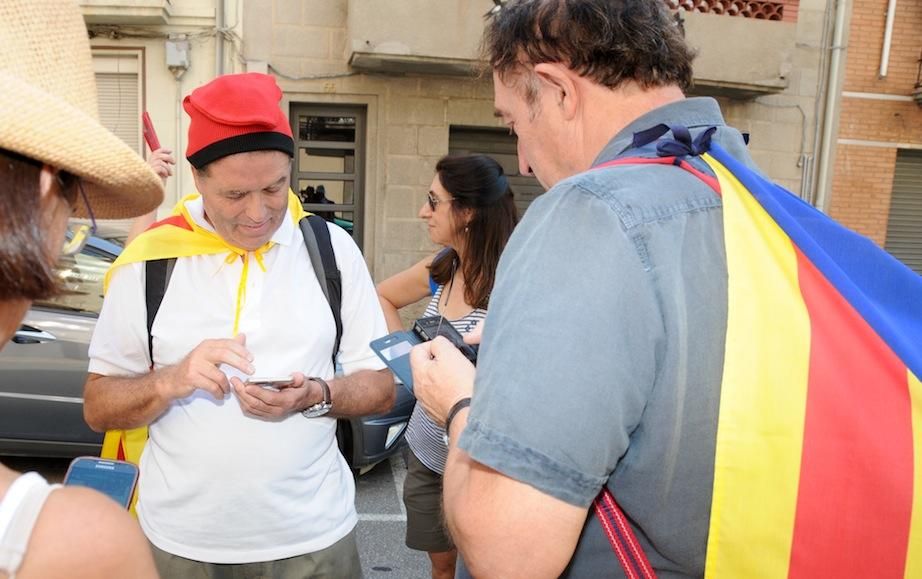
<point>339,560</point>
<point>422,495</point>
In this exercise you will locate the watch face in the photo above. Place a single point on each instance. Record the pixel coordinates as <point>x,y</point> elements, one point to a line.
<point>316,410</point>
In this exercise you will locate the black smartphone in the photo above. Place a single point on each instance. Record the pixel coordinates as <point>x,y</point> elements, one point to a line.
<point>115,478</point>
<point>430,327</point>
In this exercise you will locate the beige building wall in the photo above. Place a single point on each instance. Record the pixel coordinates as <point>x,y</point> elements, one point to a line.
<point>330,51</point>
<point>304,44</point>
<point>307,44</point>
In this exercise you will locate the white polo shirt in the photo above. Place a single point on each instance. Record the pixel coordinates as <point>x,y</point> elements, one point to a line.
<point>217,485</point>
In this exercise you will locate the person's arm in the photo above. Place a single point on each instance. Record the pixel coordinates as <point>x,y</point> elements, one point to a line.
<point>494,548</point>
<point>82,534</point>
<point>161,161</point>
<point>402,289</point>
<point>358,394</point>
<point>362,393</point>
<point>492,517</point>
<point>112,402</point>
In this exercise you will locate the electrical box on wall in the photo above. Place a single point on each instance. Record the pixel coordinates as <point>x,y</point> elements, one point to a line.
<point>177,53</point>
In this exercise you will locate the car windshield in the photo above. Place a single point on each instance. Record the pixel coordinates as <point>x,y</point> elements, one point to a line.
<point>81,281</point>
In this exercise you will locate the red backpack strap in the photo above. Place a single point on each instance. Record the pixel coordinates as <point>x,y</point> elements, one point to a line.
<point>679,162</point>
<point>622,539</point>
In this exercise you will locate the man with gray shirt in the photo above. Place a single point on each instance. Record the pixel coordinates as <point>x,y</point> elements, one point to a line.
<point>621,391</point>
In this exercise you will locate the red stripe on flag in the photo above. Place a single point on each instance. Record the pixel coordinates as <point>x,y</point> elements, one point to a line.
<point>709,180</point>
<point>855,493</point>
<point>175,220</point>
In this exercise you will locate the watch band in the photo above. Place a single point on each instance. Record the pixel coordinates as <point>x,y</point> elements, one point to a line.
<point>322,407</point>
<point>458,406</point>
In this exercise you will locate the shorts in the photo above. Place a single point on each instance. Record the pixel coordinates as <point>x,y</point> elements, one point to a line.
<point>422,495</point>
<point>338,561</point>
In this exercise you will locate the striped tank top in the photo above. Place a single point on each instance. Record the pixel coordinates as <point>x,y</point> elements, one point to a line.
<point>425,437</point>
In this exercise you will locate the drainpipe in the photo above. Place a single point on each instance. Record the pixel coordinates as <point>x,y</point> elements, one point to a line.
<point>830,112</point>
<point>219,38</point>
<point>888,38</point>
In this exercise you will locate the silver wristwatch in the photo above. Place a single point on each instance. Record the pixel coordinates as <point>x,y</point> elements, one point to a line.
<point>324,405</point>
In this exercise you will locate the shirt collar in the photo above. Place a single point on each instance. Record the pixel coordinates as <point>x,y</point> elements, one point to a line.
<point>690,112</point>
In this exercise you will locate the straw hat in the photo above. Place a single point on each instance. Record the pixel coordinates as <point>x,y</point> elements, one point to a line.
<point>48,107</point>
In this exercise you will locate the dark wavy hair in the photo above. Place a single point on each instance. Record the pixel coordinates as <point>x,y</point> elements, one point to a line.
<point>26,265</point>
<point>476,182</point>
<point>607,41</point>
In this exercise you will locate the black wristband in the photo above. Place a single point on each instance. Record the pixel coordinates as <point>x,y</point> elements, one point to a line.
<point>459,405</point>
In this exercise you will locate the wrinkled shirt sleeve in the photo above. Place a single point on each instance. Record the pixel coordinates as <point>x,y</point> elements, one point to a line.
<point>119,344</point>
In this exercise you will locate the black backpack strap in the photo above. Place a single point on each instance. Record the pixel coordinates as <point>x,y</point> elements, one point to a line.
<point>157,278</point>
<point>320,249</point>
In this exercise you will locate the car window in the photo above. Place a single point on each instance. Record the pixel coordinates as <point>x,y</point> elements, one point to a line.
<point>81,280</point>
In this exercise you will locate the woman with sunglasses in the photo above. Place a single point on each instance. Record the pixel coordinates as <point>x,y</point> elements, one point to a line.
<point>57,160</point>
<point>469,211</point>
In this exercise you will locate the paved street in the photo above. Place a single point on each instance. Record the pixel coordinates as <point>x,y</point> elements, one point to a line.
<point>381,517</point>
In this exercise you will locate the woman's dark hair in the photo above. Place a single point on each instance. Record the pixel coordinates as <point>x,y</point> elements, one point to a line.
<point>607,41</point>
<point>476,182</point>
<point>26,265</point>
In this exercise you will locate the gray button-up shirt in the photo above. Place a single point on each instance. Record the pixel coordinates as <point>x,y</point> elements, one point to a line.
<point>603,353</point>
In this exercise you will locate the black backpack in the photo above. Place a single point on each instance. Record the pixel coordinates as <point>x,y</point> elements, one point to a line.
<point>319,248</point>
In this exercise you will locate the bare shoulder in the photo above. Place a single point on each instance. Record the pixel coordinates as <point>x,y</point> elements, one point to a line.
<point>81,534</point>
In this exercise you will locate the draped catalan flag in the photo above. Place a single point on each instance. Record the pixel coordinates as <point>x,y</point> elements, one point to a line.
<point>818,466</point>
<point>818,469</point>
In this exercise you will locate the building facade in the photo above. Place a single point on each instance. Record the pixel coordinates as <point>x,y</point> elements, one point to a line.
<point>876,187</point>
<point>377,91</point>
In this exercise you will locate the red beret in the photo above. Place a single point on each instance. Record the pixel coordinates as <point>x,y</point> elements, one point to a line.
<point>236,113</point>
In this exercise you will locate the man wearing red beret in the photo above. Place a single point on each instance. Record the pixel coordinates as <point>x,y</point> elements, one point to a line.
<point>234,473</point>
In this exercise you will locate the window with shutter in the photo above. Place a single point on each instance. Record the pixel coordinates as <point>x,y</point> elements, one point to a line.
<point>118,84</point>
<point>904,225</point>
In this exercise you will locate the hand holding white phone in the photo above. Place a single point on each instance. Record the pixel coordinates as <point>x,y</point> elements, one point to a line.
<point>271,382</point>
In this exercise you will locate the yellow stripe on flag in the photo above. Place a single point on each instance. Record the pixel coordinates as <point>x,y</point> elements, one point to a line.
<point>914,549</point>
<point>763,394</point>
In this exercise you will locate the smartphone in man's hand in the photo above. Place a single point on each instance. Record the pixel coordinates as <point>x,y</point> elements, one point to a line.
<point>430,327</point>
<point>271,382</point>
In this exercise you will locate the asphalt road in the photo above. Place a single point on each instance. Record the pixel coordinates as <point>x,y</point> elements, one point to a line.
<point>382,518</point>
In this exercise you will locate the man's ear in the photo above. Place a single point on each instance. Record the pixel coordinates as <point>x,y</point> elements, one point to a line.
<point>560,80</point>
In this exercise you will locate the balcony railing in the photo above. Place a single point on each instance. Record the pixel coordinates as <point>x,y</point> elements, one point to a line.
<point>760,10</point>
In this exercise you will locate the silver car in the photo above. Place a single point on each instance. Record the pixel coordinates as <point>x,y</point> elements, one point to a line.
<point>43,369</point>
